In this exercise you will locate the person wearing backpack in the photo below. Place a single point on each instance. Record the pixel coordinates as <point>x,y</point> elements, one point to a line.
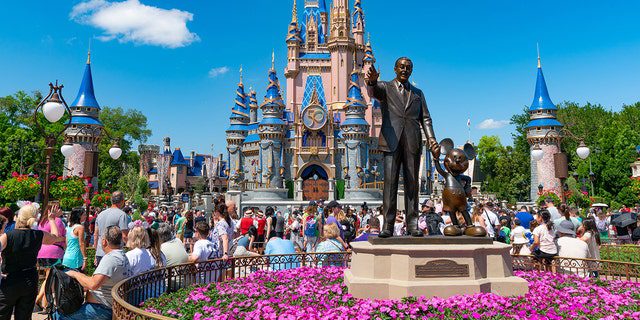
<point>429,221</point>
<point>310,231</point>
<point>113,268</point>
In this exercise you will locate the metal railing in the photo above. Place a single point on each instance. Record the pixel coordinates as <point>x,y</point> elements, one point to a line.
<point>130,294</point>
<point>373,185</point>
<point>606,269</point>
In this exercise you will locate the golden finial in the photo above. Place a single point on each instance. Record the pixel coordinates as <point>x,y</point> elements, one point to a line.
<point>368,38</point>
<point>273,59</point>
<point>240,73</point>
<point>89,53</point>
<point>538,48</point>
<point>294,13</point>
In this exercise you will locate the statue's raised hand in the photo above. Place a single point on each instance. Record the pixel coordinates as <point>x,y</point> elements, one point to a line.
<point>372,75</point>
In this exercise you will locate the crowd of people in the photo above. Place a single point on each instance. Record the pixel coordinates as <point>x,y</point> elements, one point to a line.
<point>128,242</point>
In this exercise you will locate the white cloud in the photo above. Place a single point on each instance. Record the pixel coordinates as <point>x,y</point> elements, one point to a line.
<point>132,21</point>
<point>492,124</point>
<point>218,71</point>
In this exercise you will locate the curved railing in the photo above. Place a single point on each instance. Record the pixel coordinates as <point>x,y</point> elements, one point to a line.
<point>607,269</point>
<point>129,294</point>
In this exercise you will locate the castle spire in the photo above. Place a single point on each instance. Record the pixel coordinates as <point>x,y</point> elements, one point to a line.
<point>86,96</point>
<point>368,51</point>
<point>294,12</point>
<point>541,98</point>
<point>240,74</point>
<point>293,35</point>
<point>273,59</point>
<point>358,23</point>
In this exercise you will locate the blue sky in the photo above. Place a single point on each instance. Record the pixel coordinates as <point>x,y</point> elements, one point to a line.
<point>473,59</point>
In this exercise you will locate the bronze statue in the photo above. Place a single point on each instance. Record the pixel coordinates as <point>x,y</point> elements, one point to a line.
<point>404,114</point>
<point>457,187</point>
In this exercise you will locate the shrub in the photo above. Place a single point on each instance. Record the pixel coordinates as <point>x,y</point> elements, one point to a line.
<point>19,187</point>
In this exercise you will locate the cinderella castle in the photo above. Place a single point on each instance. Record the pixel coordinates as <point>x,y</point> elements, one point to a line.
<point>318,140</point>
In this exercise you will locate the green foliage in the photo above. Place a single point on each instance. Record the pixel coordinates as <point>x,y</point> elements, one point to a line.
<point>68,191</point>
<point>101,200</point>
<point>128,126</point>
<point>22,146</point>
<point>505,169</point>
<point>91,256</point>
<point>290,188</point>
<point>143,187</point>
<point>19,187</point>
<point>340,185</point>
<point>545,195</point>
<point>140,203</point>
<point>199,185</point>
<point>136,216</point>
<point>624,253</point>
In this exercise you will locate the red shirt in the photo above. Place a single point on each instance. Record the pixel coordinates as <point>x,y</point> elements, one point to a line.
<point>261,223</point>
<point>245,224</point>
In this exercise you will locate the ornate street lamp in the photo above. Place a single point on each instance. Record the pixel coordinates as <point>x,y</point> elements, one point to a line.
<point>53,107</point>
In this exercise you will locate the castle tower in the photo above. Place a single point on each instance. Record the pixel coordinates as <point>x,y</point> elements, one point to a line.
<point>272,132</point>
<point>358,24</point>
<point>85,130</point>
<point>355,131</point>
<point>341,46</point>
<point>313,30</point>
<point>147,157</point>
<point>236,134</point>
<point>543,120</point>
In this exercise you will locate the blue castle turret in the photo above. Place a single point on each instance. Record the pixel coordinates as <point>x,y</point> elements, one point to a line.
<point>355,130</point>
<point>237,132</point>
<point>542,131</point>
<point>272,132</point>
<point>85,129</point>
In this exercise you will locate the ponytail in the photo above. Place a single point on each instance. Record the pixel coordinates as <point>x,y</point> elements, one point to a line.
<point>565,211</point>
<point>546,218</point>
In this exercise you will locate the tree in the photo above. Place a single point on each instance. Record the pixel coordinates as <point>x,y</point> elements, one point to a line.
<point>128,126</point>
<point>489,150</point>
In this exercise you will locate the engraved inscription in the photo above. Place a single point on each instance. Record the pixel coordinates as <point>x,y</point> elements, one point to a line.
<point>442,269</point>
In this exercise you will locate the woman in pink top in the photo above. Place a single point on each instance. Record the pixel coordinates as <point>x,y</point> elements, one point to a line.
<point>50,255</point>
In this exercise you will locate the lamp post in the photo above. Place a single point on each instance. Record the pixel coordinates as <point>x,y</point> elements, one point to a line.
<point>560,160</point>
<point>53,108</point>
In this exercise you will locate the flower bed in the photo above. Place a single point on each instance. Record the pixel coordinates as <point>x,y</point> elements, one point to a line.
<point>319,293</point>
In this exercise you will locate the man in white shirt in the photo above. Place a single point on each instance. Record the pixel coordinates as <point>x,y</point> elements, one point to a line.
<point>491,220</point>
<point>570,247</point>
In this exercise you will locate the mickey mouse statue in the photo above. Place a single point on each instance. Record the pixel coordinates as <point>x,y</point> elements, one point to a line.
<point>457,187</point>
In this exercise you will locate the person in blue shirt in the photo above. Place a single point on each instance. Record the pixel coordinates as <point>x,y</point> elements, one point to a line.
<point>283,250</point>
<point>525,217</point>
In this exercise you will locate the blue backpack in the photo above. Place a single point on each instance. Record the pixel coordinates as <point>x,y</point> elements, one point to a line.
<point>311,229</point>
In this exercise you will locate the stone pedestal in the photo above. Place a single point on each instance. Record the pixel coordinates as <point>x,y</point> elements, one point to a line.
<point>433,266</point>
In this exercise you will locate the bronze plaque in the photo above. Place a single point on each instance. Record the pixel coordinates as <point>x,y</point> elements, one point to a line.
<point>442,269</point>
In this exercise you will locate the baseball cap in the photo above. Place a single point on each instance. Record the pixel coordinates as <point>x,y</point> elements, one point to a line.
<point>427,203</point>
<point>333,204</point>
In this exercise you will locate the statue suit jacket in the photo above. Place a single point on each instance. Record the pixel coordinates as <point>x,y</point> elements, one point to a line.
<point>402,116</point>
